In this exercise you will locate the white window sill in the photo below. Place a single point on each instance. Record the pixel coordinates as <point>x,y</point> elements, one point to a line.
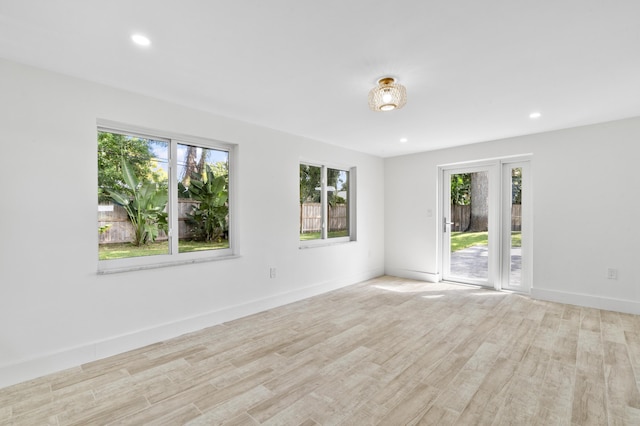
<point>325,243</point>
<point>116,270</point>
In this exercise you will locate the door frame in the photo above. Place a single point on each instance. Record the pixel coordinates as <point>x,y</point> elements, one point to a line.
<point>497,253</point>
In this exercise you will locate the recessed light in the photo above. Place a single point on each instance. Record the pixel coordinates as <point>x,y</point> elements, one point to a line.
<point>404,140</point>
<point>535,115</point>
<point>140,40</point>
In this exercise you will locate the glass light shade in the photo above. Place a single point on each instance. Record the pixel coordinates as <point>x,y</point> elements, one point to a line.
<point>388,95</point>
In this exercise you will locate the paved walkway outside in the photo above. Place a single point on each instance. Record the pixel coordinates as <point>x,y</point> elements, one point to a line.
<point>472,262</point>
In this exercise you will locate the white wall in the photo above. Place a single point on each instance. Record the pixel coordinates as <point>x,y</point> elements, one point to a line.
<point>56,312</point>
<point>586,207</point>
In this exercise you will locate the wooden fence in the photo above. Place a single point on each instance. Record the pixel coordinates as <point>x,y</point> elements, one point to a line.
<point>311,217</point>
<point>120,229</point>
<point>461,216</point>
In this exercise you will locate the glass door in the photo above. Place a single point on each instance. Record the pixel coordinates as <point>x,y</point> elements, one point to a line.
<point>515,227</point>
<point>468,225</point>
<point>486,224</point>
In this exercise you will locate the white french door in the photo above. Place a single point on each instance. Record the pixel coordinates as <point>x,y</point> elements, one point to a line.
<point>469,224</point>
<point>485,224</point>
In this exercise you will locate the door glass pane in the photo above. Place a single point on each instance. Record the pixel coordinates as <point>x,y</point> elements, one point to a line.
<point>310,202</point>
<point>469,256</point>
<point>203,198</point>
<point>132,196</point>
<point>337,200</point>
<point>516,227</point>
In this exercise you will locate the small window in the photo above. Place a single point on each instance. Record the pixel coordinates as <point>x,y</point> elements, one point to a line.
<point>311,217</point>
<point>337,203</point>
<point>142,217</point>
<point>325,203</point>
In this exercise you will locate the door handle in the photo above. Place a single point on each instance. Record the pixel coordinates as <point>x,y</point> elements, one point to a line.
<point>445,223</point>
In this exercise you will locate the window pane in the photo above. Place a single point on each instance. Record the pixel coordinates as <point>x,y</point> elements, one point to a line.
<point>516,227</point>
<point>132,196</point>
<point>203,198</point>
<point>310,203</point>
<point>338,203</point>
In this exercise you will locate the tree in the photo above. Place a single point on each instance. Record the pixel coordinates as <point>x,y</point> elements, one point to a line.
<point>112,149</point>
<point>516,185</point>
<point>191,167</point>
<point>479,202</point>
<point>460,186</point>
<point>460,200</point>
<point>221,169</point>
<point>309,181</point>
<point>336,179</point>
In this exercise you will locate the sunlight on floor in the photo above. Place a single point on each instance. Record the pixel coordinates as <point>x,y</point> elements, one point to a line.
<point>441,287</point>
<point>489,293</point>
<point>420,288</point>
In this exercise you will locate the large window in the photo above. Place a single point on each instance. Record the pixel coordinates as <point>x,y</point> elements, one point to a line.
<point>325,203</point>
<point>160,199</point>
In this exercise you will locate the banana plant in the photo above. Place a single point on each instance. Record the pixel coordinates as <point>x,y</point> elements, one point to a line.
<point>145,206</point>
<point>209,215</point>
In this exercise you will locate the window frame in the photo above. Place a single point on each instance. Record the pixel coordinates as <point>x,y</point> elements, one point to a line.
<point>174,257</point>
<point>324,239</point>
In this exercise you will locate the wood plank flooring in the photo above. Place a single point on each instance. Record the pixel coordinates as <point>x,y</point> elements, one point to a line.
<point>385,352</point>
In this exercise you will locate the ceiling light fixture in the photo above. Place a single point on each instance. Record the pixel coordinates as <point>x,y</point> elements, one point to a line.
<point>387,95</point>
<point>404,140</point>
<point>534,115</point>
<point>140,40</point>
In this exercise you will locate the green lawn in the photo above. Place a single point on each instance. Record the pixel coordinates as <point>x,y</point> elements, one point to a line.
<point>459,241</point>
<point>316,235</point>
<point>123,250</point>
<point>462,240</point>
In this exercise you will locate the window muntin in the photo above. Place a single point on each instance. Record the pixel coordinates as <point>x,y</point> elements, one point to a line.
<point>324,204</point>
<point>182,222</point>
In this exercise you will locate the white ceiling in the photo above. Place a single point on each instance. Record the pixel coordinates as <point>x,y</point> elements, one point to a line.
<point>474,69</point>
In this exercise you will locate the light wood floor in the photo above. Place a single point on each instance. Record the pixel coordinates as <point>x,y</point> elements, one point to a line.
<point>387,351</point>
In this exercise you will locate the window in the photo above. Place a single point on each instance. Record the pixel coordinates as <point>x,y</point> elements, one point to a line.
<point>202,189</point>
<point>160,199</point>
<point>325,203</point>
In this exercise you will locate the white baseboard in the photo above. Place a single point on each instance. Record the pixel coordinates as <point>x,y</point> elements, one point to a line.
<point>590,301</point>
<point>587,300</point>
<point>413,275</point>
<point>72,357</point>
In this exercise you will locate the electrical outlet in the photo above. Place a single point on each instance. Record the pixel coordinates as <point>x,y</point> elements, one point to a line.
<point>612,274</point>
<point>272,272</point>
